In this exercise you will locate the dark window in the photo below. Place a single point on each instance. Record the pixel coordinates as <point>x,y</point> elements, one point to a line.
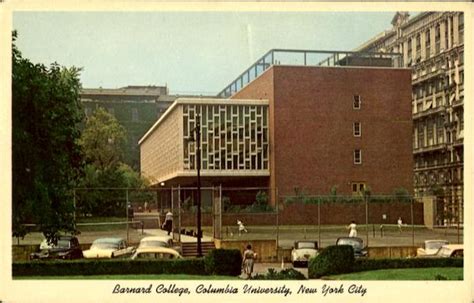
<point>357,101</point>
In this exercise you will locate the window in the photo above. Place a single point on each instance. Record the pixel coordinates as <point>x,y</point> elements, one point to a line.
<point>461,28</point>
<point>437,38</point>
<point>111,111</point>
<point>357,129</point>
<point>357,188</point>
<point>357,102</point>
<point>428,43</point>
<point>134,114</point>
<point>409,49</point>
<point>357,156</point>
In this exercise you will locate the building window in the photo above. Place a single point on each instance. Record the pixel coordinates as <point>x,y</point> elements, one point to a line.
<point>409,50</point>
<point>461,28</point>
<point>111,111</point>
<point>418,46</point>
<point>357,102</point>
<point>88,111</point>
<point>357,188</point>
<point>428,43</point>
<point>357,129</point>
<point>357,156</point>
<point>437,39</point>
<point>134,114</point>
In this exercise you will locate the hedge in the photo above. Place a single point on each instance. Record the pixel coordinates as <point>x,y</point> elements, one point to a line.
<point>108,267</point>
<point>332,260</point>
<point>285,274</point>
<point>375,264</point>
<point>227,262</point>
<point>218,262</point>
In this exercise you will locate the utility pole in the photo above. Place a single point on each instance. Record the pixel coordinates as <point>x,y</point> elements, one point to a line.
<point>198,167</point>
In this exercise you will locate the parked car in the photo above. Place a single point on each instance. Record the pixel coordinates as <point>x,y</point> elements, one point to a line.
<point>158,241</point>
<point>303,251</point>
<point>66,248</point>
<point>154,253</point>
<point>451,251</point>
<point>356,243</point>
<point>430,247</point>
<point>108,248</point>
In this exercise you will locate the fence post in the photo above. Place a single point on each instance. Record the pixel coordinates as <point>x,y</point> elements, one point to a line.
<point>412,223</point>
<point>277,220</point>
<point>126,209</point>
<point>366,198</point>
<point>319,222</point>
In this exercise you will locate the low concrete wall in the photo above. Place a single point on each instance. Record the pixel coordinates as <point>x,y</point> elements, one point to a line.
<point>388,252</point>
<point>266,249</point>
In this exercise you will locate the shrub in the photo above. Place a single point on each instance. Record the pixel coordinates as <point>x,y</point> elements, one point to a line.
<point>374,264</point>
<point>108,267</point>
<point>227,262</point>
<point>332,260</point>
<point>285,274</point>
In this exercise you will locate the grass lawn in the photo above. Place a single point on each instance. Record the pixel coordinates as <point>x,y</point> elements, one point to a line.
<point>129,277</point>
<point>443,273</point>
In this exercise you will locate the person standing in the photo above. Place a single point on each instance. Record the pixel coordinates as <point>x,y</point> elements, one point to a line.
<point>248,261</point>
<point>400,224</point>
<point>168,222</point>
<point>352,229</point>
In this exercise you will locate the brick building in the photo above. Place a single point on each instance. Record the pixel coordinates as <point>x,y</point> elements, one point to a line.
<point>432,45</point>
<point>310,128</point>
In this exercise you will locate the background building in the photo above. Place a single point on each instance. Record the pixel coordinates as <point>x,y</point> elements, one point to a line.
<point>135,107</point>
<point>432,44</point>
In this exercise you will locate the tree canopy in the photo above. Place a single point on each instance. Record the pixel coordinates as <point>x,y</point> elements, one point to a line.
<point>106,178</point>
<point>47,159</point>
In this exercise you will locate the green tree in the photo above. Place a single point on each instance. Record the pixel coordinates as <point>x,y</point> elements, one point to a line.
<point>47,160</point>
<point>106,177</point>
<point>103,140</point>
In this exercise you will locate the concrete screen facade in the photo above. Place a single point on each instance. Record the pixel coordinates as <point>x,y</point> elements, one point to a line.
<point>234,140</point>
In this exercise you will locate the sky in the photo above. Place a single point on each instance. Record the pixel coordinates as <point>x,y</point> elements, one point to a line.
<point>190,52</point>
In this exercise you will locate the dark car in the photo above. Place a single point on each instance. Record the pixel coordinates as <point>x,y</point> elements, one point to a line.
<point>356,243</point>
<point>66,248</point>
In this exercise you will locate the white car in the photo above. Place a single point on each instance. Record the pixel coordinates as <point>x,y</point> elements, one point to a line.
<point>108,248</point>
<point>450,251</point>
<point>430,247</point>
<point>158,241</point>
<point>156,253</point>
<point>303,251</point>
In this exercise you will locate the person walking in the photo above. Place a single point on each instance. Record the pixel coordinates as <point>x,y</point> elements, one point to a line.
<point>248,261</point>
<point>352,229</point>
<point>168,225</point>
<point>241,227</point>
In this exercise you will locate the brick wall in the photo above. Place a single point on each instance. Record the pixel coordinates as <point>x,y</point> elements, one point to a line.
<point>311,127</point>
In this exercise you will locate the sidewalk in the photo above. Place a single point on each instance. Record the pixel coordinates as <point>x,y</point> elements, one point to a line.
<point>184,238</point>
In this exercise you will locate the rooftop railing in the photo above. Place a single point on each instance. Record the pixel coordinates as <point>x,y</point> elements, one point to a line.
<point>310,58</point>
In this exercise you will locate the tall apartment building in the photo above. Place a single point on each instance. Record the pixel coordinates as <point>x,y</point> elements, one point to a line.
<point>432,44</point>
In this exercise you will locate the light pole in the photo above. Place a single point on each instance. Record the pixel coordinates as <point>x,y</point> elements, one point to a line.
<point>198,167</point>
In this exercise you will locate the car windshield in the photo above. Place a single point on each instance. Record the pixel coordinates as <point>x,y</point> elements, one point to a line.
<point>435,245</point>
<point>153,244</point>
<point>105,245</point>
<point>61,244</point>
<point>306,245</point>
<point>354,243</point>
